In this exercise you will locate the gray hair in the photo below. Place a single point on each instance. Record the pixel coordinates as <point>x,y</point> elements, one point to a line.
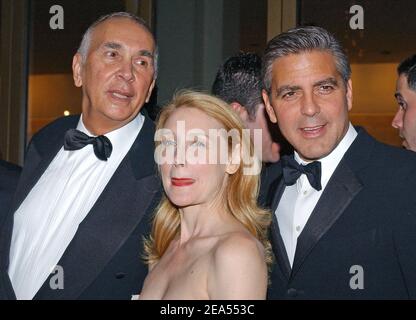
<point>86,38</point>
<point>301,39</point>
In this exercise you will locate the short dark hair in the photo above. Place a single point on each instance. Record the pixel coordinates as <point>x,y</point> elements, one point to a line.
<point>408,68</point>
<point>239,80</point>
<point>303,39</point>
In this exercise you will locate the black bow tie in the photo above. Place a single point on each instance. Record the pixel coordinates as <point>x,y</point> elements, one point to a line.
<point>293,170</point>
<point>75,140</point>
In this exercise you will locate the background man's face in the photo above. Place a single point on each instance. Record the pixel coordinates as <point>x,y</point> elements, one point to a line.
<point>270,150</point>
<point>310,102</point>
<point>405,118</point>
<point>117,76</point>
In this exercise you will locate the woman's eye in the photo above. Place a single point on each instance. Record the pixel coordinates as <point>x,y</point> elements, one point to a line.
<point>199,144</point>
<point>169,143</point>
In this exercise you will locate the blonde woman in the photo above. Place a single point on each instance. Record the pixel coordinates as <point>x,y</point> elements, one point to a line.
<point>209,237</point>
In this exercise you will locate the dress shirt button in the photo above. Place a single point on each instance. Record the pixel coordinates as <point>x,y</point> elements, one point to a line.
<point>292,293</point>
<point>305,192</point>
<point>298,228</point>
<point>120,275</point>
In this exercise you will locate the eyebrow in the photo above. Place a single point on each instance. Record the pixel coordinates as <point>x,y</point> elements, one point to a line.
<point>146,53</point>
<point>280,90</point>
<point>329,80</point>
<point>116,45</point>
<point>112,45</point>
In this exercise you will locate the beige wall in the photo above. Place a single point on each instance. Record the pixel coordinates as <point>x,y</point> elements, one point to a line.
<point>373,87</point>
<point>374,105</point>
<point>281,16</point>
<point>49,96</point>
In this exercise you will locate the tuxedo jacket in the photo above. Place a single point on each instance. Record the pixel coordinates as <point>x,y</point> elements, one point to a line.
<point>104,259</point>
<point>360,240</point>
<point>9,176</point>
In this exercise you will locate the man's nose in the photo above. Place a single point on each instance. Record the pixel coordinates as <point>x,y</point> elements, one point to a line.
<point>309,106</point>
<point>126,71</point>
<point>398,119</point>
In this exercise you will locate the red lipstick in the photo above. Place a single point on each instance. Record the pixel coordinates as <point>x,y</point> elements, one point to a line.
<point>182,182</point>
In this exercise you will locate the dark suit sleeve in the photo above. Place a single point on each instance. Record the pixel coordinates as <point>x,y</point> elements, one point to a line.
<point>404,237</point>
<point>9,176</point>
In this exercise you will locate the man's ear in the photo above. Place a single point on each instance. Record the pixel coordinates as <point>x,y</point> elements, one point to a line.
<point>242,111</point>
<point>149,93</point>
<point>349,94</point>
<point>235,160</point>
<point>77,69</point>
<point>269,108</point>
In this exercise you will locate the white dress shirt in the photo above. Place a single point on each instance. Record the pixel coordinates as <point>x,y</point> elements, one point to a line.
<point>47,220</point>
<point>299,200</point>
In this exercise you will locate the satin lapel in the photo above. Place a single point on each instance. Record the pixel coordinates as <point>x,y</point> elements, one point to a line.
<point>278,246</point>
<point>115,215</point>
<point>340,191</point>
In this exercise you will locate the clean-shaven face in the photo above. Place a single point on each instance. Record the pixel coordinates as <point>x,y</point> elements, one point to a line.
<point>310,102</point>
<point>405,118</point>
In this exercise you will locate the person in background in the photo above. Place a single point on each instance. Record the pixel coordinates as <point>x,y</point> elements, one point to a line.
<point>238,82</point>
<point>405,118</point>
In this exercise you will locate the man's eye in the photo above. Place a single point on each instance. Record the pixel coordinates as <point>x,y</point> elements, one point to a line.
<point>326,89</point>
<point>142,62</point>
<point>111,54</point>
<point>289,95</point>
<point>402,105</point>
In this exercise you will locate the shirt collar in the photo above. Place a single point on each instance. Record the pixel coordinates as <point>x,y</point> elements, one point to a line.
<point>330,162</point>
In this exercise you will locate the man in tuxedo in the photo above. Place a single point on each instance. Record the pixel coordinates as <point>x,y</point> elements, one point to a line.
<point>405,118</point>
<point>238,82</point>
<point>344,213</point>
<point>9,176</point>
<point>89,184</point>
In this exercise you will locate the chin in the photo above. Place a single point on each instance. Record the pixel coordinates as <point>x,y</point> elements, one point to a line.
<point>119,115</point>
<point>180,202</point>
<point>121,112</point>
<point>314,154</point>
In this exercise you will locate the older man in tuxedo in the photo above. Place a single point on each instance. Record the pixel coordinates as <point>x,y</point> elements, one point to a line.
<point>343,205</point>
<point>89,184</point>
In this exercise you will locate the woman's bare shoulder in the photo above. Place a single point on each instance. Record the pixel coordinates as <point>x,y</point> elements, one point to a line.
<point>239,269</point>
<point>238,245</point>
